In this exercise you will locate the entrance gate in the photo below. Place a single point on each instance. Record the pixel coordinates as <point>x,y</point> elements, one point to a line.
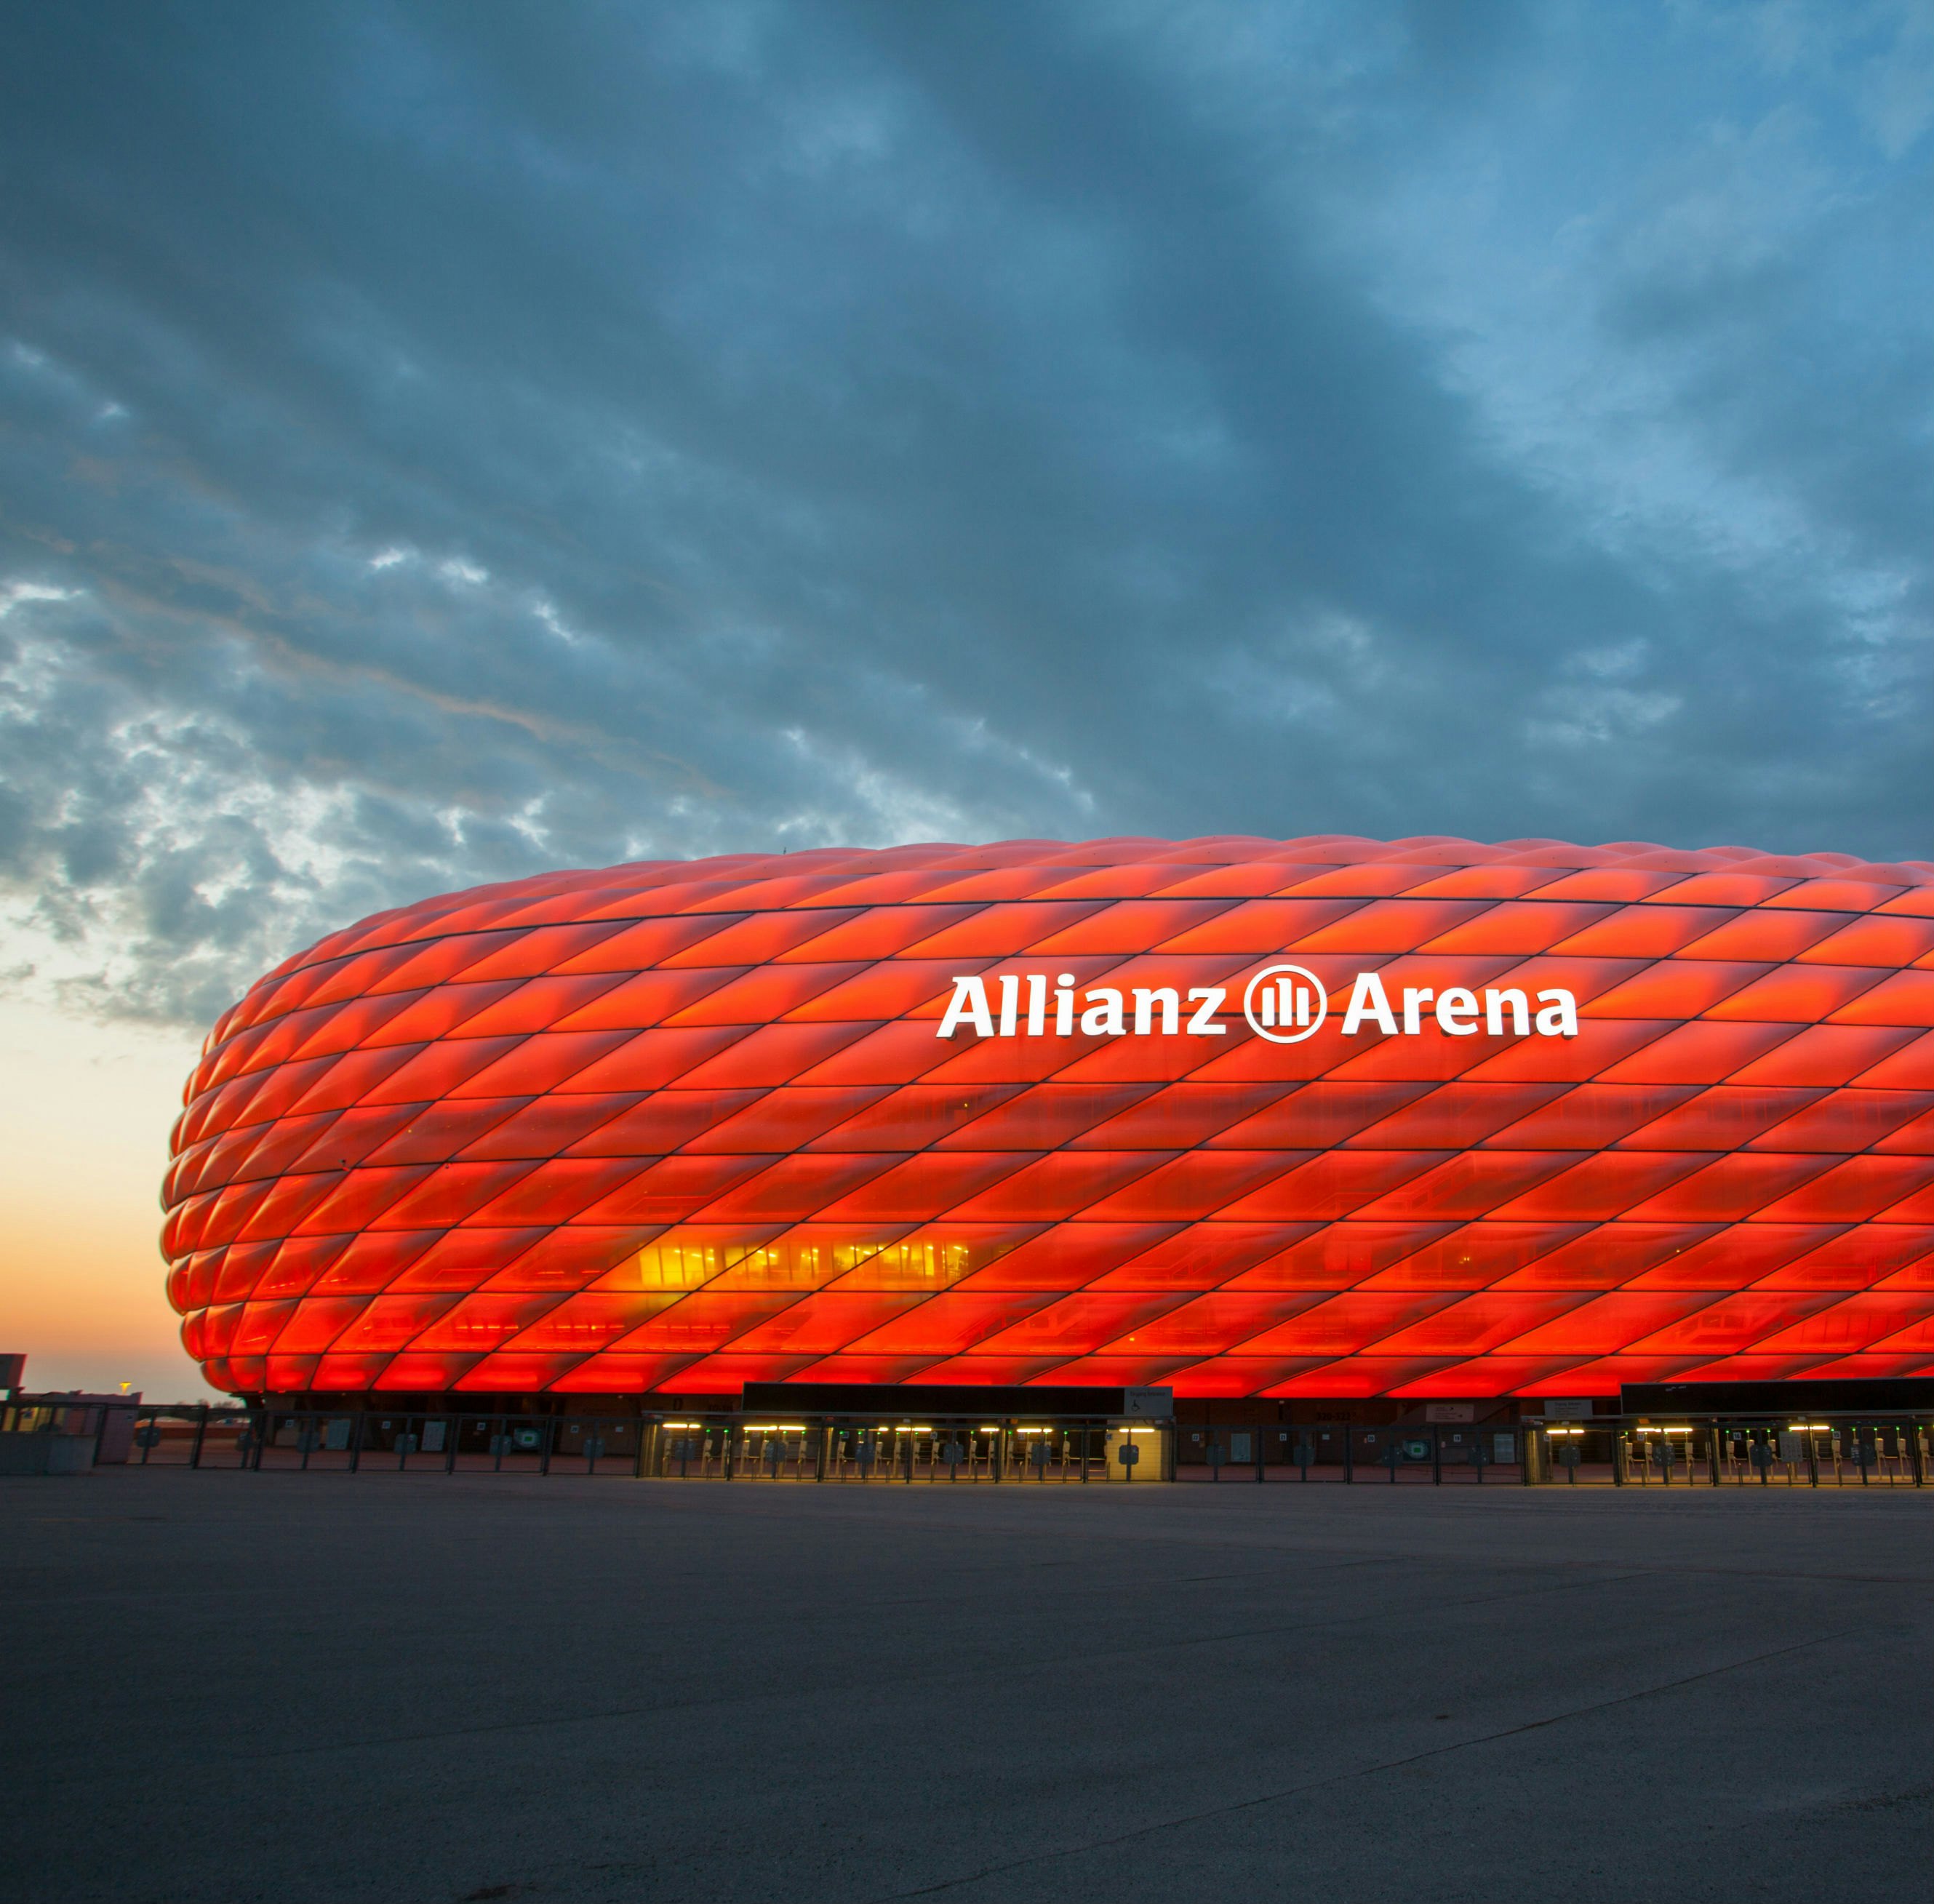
<point>1810,1450</point>
<point>1395,1456</point>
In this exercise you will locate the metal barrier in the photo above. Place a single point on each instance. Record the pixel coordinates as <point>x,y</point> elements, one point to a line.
<point>1814,1450</point>
<point>1794,1450</point>
<point>842,1450</point>
<point>192,1435</point>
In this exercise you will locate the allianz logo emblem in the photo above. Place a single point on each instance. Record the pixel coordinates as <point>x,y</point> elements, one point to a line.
<point>1286,1003</point>
<point>1282,1003</point>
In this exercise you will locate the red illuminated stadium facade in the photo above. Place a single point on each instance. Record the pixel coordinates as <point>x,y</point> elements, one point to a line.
<point>1033,1114</point>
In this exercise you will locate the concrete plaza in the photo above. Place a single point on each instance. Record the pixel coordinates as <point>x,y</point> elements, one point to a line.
<point>228,1686</point>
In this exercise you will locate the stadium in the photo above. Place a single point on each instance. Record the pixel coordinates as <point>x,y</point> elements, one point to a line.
<point>1294,1126</point>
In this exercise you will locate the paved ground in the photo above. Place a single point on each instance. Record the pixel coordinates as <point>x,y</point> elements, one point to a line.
<point>234,1687</point>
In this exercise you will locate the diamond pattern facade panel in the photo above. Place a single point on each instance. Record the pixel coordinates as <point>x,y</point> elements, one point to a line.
<point>1327,1116</point>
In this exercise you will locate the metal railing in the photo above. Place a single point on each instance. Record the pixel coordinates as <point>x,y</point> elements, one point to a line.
<point>1810,1450</point>
<point>842,1450</point>
<point>191,1434</point>
<point>1796,1449</point>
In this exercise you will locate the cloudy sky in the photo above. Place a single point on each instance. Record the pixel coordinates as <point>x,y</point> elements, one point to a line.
<point>438,441</point>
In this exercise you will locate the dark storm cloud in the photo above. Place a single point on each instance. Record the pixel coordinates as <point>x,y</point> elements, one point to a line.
<point>440,442</point>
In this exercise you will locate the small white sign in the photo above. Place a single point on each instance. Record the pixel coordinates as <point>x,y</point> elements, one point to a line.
<point>1566,1408</point>
<point>1450,1411</point>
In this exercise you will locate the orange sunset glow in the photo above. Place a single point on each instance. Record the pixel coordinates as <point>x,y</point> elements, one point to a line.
<point>84,1125</point>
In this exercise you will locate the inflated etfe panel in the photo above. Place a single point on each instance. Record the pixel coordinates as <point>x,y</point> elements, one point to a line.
<point>1322,1117</point>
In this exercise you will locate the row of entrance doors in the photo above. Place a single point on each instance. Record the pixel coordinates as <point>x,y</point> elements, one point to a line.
<point>1842,1452</point>
<point>707,1448</point>
<point>990,1453</point>
<point>1267,1451</point>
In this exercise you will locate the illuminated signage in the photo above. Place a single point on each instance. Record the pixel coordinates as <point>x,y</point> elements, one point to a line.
<point>1283,1003</point>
